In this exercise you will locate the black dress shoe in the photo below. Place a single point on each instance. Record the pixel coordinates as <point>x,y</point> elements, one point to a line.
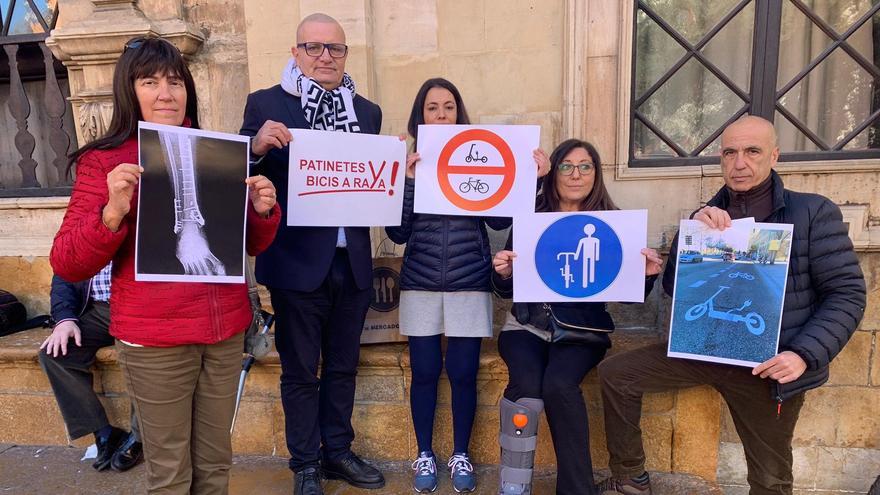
<point>353,471</point>
<point>128,454</point>
<point>307,482</point>
<point>106,448</point>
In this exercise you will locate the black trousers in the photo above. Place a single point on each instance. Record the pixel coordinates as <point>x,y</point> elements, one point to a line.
<point>553,373</point>
<point>765,427</point>
<point>71,375</point>
<point>322,325</point>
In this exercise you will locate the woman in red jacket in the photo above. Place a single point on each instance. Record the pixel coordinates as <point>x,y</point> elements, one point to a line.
<point>179,343</point>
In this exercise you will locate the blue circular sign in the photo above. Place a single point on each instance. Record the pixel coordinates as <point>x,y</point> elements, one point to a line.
<point>578,256</point>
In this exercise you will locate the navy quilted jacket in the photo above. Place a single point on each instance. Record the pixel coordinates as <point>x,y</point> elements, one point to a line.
<point>825,291</point>
<point>443,253</point>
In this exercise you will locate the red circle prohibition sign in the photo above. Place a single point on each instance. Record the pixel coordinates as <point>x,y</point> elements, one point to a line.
<point>507,170</point>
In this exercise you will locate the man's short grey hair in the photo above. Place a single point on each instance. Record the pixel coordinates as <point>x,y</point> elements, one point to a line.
<point>316,17</point>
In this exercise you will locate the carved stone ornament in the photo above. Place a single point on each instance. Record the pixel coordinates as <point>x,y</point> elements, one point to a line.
<point>94,119</point>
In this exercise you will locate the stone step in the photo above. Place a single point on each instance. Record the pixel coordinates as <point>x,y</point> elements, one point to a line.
<point>678,426</point>
<point>26,470</point>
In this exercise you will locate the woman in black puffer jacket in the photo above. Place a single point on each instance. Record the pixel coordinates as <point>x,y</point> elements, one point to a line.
<point>547,374</point>
<point>445,290</point>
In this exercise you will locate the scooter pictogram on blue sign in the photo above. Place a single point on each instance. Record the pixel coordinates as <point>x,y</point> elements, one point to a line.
<point>578,256</point>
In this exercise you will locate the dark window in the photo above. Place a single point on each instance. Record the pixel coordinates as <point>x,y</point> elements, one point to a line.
<point>810,66</point>
<point>35,113</point>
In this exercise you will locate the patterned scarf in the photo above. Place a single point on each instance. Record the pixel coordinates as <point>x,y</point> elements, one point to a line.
<point>325,110</point>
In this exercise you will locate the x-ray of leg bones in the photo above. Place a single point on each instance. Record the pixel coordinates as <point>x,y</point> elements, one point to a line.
<point>192,245</point>
<point>192,205</point>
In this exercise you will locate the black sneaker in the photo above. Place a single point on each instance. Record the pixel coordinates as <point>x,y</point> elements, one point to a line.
<point>353,471</point>
<point>628,486</point>
<point>129,453</point>
<point>107,447</point>
<point>308,482</point>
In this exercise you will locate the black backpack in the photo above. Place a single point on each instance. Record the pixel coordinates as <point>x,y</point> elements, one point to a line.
<point>13,315</point>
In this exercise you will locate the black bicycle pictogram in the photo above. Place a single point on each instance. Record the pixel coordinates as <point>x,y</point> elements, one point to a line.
<point>473,185</point>
<point>474,156</point>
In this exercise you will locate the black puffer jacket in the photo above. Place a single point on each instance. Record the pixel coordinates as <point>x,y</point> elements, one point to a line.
<point>443,253</point>
<point>825,291</point>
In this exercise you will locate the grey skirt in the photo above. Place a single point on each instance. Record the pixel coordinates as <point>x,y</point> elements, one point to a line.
<point>454,314</point>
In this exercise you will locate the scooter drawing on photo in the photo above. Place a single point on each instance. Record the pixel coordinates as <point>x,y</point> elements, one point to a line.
<point>753,321</point>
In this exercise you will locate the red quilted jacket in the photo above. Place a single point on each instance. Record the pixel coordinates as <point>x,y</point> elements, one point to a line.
<point>157,314</point>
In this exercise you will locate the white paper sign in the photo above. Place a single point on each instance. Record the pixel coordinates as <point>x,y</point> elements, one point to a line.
<point>729,292</point>
<point>476,170</point>
<point>345,179</point>
<point>584,256</point>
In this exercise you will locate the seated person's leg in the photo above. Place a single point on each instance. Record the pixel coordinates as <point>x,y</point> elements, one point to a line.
<point>625,377</point>
<point>567,414</point>
<point>71,378</point>
<point>526,357</point>
<point>766,438</point>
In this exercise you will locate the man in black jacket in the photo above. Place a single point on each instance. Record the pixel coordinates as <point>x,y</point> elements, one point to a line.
<point>81,313</point>
<point>319,277</point>
<point>824,303</point>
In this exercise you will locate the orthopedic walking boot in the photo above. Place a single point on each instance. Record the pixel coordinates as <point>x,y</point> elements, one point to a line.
<point>107,447</point>
<point>307,482</point>
<point>128,454</point>
<point>354,471</point>
<point>518,439</point>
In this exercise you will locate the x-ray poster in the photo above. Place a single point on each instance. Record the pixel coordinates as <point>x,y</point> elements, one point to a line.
<point>192,201</point>
<point>345,179</point>
<point>729,292</point>
<point>580,257</point>
<point>476,170</point>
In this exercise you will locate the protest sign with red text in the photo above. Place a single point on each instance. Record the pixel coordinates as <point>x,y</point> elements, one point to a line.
<point>341,179</point>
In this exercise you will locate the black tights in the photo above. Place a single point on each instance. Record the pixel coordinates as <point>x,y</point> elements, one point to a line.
<point>462,363</point>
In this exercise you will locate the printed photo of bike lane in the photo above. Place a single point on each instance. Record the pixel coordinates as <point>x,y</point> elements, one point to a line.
<point>728,310</point>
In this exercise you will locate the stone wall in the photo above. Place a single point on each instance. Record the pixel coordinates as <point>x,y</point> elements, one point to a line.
<point>562,64</point>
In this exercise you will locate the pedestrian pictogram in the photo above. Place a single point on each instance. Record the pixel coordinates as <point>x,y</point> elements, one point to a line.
<point>474,163</point>
<point>578,256</point>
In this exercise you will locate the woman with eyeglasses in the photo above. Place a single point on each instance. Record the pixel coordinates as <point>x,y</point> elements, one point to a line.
<point>179,344</point>
<point>444,291</point>
<point>547,374</point>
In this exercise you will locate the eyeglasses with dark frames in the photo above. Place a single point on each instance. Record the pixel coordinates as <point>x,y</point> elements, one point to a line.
<point>568,168</point>
<point>316,49</point>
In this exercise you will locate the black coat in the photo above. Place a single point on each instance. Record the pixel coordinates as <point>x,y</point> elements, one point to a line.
<point>825,291</point>
<point>443,253</point>
<point>300,257</point>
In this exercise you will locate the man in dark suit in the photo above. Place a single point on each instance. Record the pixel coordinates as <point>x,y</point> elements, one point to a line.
<point>318,277</point>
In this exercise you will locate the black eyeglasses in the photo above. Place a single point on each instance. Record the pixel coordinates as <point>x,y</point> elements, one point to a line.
<point>316,49</point>
<point>568,168</point>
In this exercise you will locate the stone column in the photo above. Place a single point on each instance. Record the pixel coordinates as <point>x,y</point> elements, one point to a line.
<point>89,41</point>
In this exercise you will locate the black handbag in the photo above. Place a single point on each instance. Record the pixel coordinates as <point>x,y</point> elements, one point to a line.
<point>568,333</point>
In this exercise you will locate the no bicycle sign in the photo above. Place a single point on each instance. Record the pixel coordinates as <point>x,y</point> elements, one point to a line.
<point>476,170</point>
